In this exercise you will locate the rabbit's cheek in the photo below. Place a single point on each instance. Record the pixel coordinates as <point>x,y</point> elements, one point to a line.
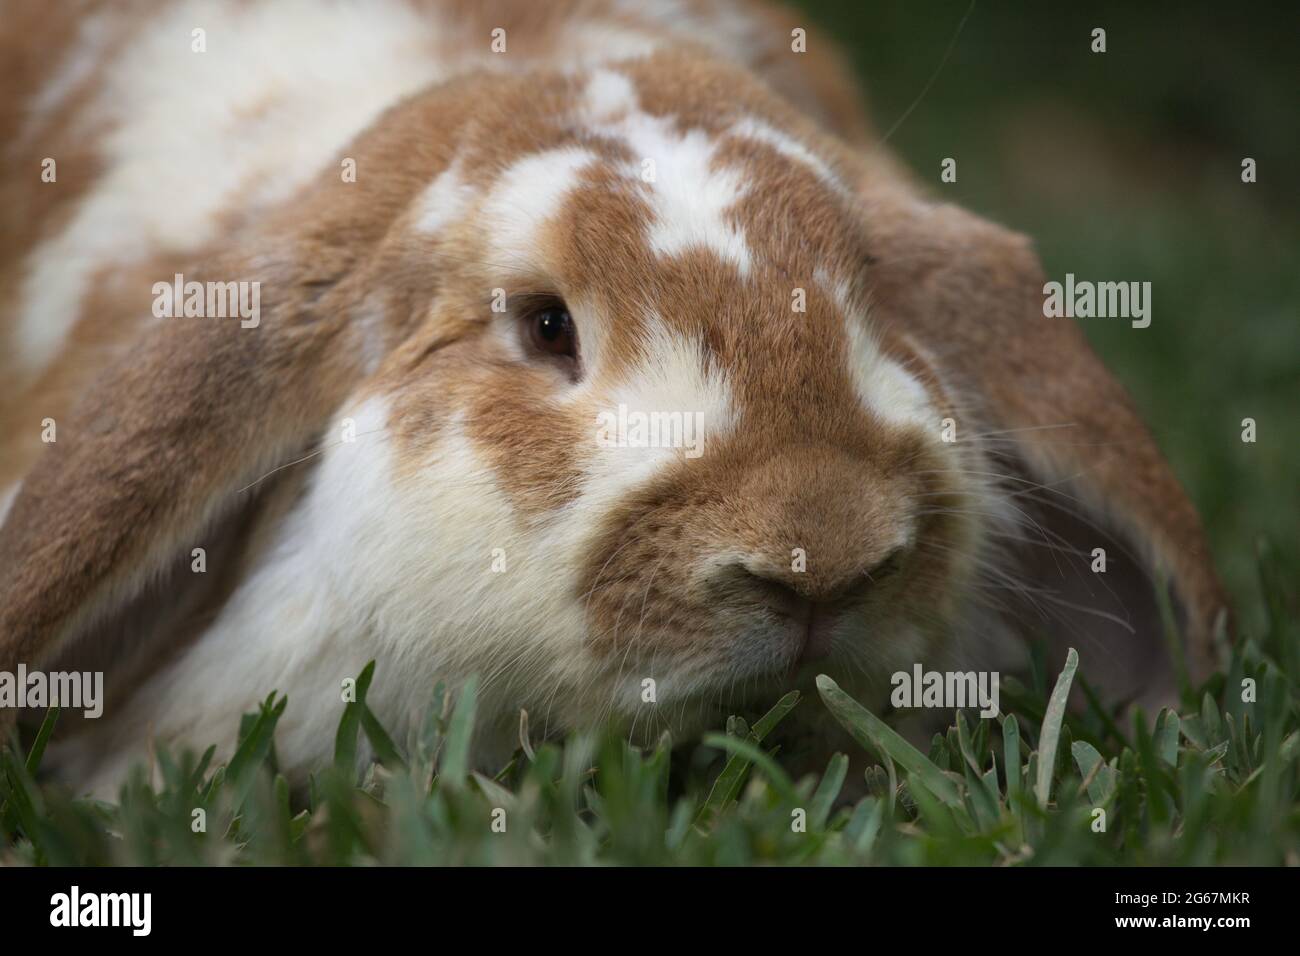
<point>528,442</point>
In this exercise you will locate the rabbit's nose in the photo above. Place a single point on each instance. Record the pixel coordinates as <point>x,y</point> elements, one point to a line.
<point>811,613</point>
<point>812,603</point>
<point>812,620</point>
<point>791,592</point>
<point>786,587</point>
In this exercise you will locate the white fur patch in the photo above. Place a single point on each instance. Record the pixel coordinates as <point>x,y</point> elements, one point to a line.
<point>77,66</point>
<point>672,378</point>
<point>883,386</point>
<point>728,28</point>
<point>526,195</point>
<point>377,562</point>
<point>445,200</point>
<point>788,146</point>
<point>604,43</point>
<point>609,96</point>
<point>296,624</point>
<point>368,328</point>
<point>688,193</point>
<point>281,87</point>
<point>840,291</point>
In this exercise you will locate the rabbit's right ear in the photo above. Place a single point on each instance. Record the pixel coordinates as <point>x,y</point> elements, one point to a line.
<point>168,438</point>
<point>1064,434</point>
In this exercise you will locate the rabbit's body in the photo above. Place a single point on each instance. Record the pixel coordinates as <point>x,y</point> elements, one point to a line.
<point>388,462</point>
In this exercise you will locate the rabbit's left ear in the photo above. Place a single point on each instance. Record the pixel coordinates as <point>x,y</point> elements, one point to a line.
<point>158,449</point>
<point>1082,466</point>
<point>168,438</point>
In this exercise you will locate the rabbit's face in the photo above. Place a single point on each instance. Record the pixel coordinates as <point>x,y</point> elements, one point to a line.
<point>677,444</point>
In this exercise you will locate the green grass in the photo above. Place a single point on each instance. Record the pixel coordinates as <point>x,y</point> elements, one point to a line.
<point>1216,782</point>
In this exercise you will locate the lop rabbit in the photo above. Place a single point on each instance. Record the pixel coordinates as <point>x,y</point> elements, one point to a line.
<point>573,345</point>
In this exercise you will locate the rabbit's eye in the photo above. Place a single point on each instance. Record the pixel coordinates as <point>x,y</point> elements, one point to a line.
<point>551,330</point>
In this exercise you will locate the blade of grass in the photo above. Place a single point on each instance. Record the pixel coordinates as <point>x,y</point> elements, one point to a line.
<point>756,756</point>
<point>454,764</point>
<point>256,744</point>
<point>827,790</point>
<point>1011,756</point>
<point>872,813</point>
<point>385,749</point>
<point>1167,737</point>
<point>1098,777</point>
<point>878,737</point>
<point>42,738</point>
<point>727,785</point>
<point>345,738</point>
<point>1050,734</point>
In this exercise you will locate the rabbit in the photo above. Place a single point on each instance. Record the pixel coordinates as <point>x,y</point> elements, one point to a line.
<point>600,350</point>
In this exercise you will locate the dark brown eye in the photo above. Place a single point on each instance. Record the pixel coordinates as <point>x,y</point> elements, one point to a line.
<point>551,330</point>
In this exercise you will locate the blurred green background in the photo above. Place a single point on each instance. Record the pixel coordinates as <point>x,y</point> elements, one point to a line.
<point>1126,165</point>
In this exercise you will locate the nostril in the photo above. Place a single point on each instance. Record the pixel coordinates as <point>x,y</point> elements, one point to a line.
<point>777,594</point>
<point>891,564</point>
<point>812,617</point>
<point>791,592</point>
<point>796,594</point>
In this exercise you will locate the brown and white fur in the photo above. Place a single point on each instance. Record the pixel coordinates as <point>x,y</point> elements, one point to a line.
<point>523,171</point>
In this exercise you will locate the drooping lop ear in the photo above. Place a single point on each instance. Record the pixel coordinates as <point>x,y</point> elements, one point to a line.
<point>1084,470</point>
<point>169,436</point>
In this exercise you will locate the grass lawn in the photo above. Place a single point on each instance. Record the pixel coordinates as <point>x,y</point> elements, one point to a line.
<point>1215,782</point>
